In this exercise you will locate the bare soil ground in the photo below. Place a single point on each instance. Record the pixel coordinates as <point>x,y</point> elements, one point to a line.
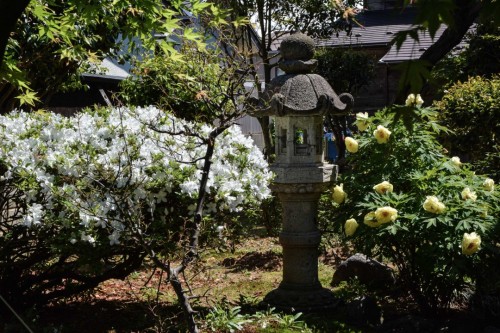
<point>143,302</point>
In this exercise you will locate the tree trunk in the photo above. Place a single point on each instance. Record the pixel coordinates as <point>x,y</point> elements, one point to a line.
<point>10,11</point>
<point>464,15</point>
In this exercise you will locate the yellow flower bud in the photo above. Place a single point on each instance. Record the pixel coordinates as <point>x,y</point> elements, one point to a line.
<point>350,227</point>
<point>338,194</point>
<point>386,214</point>
<point>433,205</point>
<point>384,187</point>
<point>351,145</point>
<point>382,134</point>
<point>470,243</point>
<point>489,184</point>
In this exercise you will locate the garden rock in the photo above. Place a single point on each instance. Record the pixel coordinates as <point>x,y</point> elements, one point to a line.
<point>367,270</point>
<point>364,311</point>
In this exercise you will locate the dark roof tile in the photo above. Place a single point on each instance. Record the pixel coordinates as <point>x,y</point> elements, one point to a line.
<point>378,29</point>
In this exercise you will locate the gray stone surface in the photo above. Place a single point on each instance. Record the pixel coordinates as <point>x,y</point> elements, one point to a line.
<point>299,92</point>
<point>367,270</point>
<point>297,47</point>
<point>299,100</point>
<point>299,174</point>
<point>304,94</point>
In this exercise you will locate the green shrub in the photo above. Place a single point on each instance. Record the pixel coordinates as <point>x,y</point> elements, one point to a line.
<point>472,111</point>
<point>188,88</point>
<point>402,222</point>
<point>85,199</point>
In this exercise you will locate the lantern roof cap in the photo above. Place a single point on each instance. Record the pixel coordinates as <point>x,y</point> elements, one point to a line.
<point>299,92</point>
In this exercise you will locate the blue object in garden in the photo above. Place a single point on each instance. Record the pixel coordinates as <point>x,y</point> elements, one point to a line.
<point>331,148</point>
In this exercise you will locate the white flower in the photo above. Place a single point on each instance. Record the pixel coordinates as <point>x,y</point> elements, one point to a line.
<point>34,215</point>
<point>78,163</point>
<point>219,230</point>
<point>190,187</point>
<point>114,237</point>
<point>87,238</point>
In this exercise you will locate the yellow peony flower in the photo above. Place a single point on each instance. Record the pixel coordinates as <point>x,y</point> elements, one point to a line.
<point>412,100</point>
<point>371,220</point>
<point>418,100</point>
<point>382,134</point>
<point>338,194</point>
<point>470,243</point>
<point>489,184</point>
<point>468,194</point>
<point>351,145</point>
<point>386,214</point>
<point>433,205</point>
<point>383,188</point>
<point>362,121</point>
<point>456,161</point>
<point>350,227</point>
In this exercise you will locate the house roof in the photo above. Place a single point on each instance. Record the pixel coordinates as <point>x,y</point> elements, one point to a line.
<point>110,69</point>
<point>411,49</point>
<point>378,28</point>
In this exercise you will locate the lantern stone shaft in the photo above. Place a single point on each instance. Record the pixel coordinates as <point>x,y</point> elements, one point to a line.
<point>299,100</point>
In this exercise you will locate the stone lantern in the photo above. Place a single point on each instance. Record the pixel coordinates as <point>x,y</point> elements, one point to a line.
<point>299,101</point>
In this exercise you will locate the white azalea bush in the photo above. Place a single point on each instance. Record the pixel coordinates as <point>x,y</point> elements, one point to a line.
<point>84,197</point>
<point>405,200</point>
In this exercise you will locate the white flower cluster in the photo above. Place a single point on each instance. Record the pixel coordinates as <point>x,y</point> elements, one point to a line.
<point>142,153</point>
